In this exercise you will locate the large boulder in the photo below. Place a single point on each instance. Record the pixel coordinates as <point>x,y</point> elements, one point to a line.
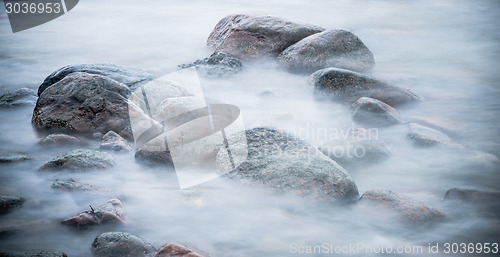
<point>111,212</point>
<point>177,250</point>
<point>80,159</point>
<point>217,65</point>
<point>406,208</point>
<point>131,77</point>
<point>8,202</point>
<point>249,37</point>
<point>372,112</point>
<point>285,164</point>
<point>114,244</point>
<point>330,48</point>
<point>84,102</point>
<point>17,97</point>
<point>347,86</point>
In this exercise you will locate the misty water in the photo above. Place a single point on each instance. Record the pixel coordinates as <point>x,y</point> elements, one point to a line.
<point>447,52</point>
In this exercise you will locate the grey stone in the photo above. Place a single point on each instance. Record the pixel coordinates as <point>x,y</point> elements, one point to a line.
<point>330,48</point>
<point>347,86</point>
<point>372,112</point>
<point>121,244</point>
<point>249,37</point>
<point>80,159</point>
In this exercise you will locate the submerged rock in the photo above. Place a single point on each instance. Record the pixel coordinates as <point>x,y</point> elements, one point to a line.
<point>113,141</point>
<point>111,212</point>
<point>348,86</point>
<point>113,244</point>
<point>60,140</point>
<point>33,254</point>
<point>218,64</point>
<point>73,185</point>
<point>8,156</point>
<point>285,164</point>
<point>80,159</point>
<point>373,112</point>
<point>17,97</point>
<point>473,196</point>
<point>8,202</point>
<point>177,250</point>
<point>86,103</point>
<point>154,157</point>
<point>330,48</point>
<point>250,37</point>
<point>352,152</point>
<point>131,77</point>
<point>424,136</point>
<point>408,209</point>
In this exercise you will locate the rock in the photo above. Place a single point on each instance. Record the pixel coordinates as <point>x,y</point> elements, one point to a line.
<point>177,250</point>
<point>60,140</point>
<point>131,77</point>
<point>408,209</point>
<point>424,136</point>
<point>355,152</point>
<point>218,65</point>
<point>33,254</point>
<point>17,97</point>
<point>113,141</point>
<point>348,86</point>
<point>8,202</point>
<point>80,159</point>
<point>73,185</point>
<point>86,103</point>
<point>8,156</point>
<point>111,212</point>
<point>372,112</point>
<point>249,37</point>
<point>112,244</point>
<point>483,159</point>
<point>285,164</point>
<point>438,122</point>
<point>473,196</point>
<point>154,157</point>
<point>330,48</point>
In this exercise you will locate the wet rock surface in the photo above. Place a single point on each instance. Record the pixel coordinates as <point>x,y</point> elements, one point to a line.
<point>249,37</point>
<point>113,244</point>
<point>425,136</point>
<point>409,210</point>
<point>80,159</point>
<point>348,86</point>
<point>86,103</point>
<point>113,141</point>
<point>372,112</point>
<point>18,97</point>
<point>177,250</point>
<point>33,254</point>
<point>9,202</point>
<point>8,156</point>
<point>129,76</point>
<point>154,157</point>
<point>217,65</point>
<point>330,48</point>
<point>285,164</point>
<point>111,212</point>
<point>60,140</point>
